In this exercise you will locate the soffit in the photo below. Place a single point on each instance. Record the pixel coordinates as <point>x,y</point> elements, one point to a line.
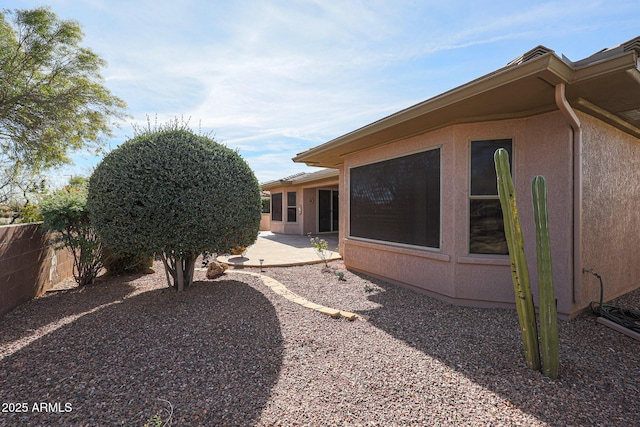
<point>612,96</point>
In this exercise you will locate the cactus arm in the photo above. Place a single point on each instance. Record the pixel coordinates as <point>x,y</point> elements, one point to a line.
<point>549,341</point>
<point>519,269</point>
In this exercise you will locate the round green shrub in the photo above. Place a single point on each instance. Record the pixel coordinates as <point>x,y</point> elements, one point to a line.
<point>174,192</point>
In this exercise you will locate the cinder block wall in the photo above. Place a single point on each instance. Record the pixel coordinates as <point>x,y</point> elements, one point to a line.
<point>28,266</point>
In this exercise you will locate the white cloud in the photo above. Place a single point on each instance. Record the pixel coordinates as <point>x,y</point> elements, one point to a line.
<point>275,78</point>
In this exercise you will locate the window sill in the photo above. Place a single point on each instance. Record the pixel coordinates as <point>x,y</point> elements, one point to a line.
<point>484,260</point>
<point>398,248</point>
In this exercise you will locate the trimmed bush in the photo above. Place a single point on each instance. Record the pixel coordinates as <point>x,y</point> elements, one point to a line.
<point>172,192</point>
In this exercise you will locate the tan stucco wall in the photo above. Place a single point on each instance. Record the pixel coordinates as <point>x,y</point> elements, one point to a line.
<point>283,226</point>
<point>611,210</point>
<point>310,207</point>
<point>265,222</point>
<point>306,197</point>
<point>542,146</point>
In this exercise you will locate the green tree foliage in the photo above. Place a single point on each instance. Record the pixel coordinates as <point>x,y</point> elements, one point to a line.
<point>29,213</point>
<point>117,264</point>
<point>266,205</point>
<point>52,100</point>
<point>22,191</point>
<point>177,194</point>
<point>78,181</point>
<point>19,185</point>
<point>65,215</point>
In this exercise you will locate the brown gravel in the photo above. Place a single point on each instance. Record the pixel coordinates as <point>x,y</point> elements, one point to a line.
<point>231,352</point>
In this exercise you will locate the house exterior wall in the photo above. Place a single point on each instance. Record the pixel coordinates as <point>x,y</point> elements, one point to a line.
<point>611,210</point>
<point>309,210</point>
<point>284,227</point>
<point>541,146</point>
<point>307,203</point>
<point>265,222</point>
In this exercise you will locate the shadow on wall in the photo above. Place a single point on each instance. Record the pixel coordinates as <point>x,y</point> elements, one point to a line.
<point>485,346</point>
<point>211,355</point>
<point>28,265</point>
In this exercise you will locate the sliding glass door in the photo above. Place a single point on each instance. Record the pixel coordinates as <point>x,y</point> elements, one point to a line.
<point>327,211</point>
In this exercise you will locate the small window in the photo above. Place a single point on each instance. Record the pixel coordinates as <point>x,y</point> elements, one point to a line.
<point>292,213</point>
<point>276,207</point>
<point>486,224</point>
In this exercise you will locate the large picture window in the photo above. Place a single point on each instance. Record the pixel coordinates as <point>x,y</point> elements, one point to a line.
<point>486,225</point>
<point>397,200</point>
<point>276,207</point>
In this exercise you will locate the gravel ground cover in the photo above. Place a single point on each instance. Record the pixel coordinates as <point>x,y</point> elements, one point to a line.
<point>231,352</point>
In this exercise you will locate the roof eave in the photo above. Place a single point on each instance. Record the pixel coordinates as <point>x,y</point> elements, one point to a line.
<point>313,178</point>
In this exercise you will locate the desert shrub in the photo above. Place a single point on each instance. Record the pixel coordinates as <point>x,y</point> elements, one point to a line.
<point>29,213</point>
<point>321,247</point>
<point>65,215</point>
<point>177,194</point>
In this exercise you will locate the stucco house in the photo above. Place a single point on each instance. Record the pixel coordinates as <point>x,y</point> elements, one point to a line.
<point>417,194</point>
<point>304,203</point>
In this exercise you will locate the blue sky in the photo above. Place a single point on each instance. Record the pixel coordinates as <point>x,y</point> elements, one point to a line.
<point>274,78</point>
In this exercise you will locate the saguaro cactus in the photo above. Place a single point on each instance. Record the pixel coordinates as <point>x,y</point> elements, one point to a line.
<point>519,269</point>
<point>547,307</point>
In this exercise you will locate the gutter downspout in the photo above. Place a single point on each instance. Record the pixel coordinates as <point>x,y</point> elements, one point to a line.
<point>574,122</point>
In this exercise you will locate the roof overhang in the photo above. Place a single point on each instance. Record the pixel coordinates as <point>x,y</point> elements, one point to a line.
<point>608,89</point>
<point>313,179</point>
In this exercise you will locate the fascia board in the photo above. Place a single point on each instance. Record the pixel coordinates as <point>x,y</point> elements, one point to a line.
<point>320,178</point>
<point>628,60</point>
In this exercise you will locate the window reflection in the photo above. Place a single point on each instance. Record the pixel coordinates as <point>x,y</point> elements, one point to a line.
<point>486,225</point>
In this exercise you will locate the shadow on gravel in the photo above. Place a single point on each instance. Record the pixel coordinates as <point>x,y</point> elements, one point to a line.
<point>206,354</point>
<point>599,380</point>
<point>14,326</point>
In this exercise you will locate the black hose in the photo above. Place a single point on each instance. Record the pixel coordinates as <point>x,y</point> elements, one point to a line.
<point>630,319</point>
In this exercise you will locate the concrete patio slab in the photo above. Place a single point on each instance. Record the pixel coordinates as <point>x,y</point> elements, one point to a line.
<point>282,250</point>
